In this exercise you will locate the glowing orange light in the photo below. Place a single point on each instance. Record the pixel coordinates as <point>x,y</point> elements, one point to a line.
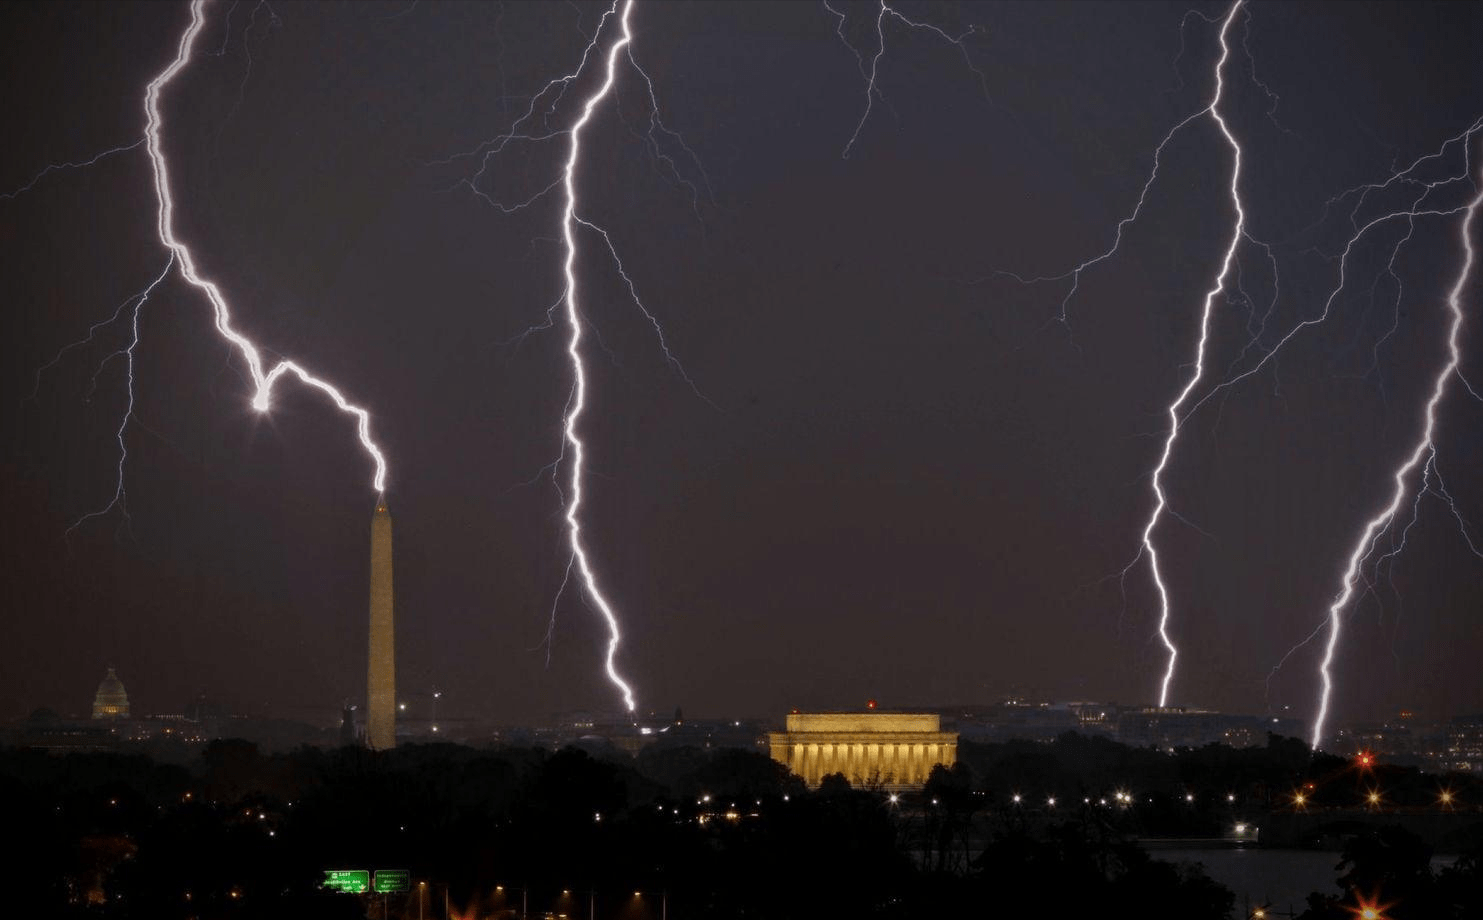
<point>1366,759</point>
<point>1369,909</point>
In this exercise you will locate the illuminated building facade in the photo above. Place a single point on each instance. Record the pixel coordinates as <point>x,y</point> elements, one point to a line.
<point>111,702</point>
<point>892,750</point>
<point>381,669</point>
<point>1464,746</point>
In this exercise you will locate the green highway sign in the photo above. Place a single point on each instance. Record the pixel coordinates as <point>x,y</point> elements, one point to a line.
<point>350,881</point>
<point>392,881</point>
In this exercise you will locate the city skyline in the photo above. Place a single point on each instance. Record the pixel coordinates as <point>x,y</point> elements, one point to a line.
<point>862,461</point>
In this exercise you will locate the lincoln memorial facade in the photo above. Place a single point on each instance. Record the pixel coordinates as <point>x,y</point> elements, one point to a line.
<point>894,750</point>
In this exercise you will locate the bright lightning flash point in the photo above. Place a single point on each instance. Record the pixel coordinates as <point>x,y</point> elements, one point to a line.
<point>264,381</point>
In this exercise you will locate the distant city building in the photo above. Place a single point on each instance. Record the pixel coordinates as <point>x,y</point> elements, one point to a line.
<point>1465,744</point>
<point>1094,718</point>
<point>1014,720</point>
<point>1392,741</point>
<point>111,702</point>
<point>892,750</point>
<point>348,734</point>
<point>1169,727</point>
<point>169,737</point>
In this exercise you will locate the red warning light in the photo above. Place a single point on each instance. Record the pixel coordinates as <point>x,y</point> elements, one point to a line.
<point>1366,759</point>
<point>870,704</point>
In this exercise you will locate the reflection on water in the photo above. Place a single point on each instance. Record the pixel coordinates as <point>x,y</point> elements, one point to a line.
<point>1282,878</point>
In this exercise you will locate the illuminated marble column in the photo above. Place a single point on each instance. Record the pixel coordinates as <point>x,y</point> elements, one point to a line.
<point>381,670</point>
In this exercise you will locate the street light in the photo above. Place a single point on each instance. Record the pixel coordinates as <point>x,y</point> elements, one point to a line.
<point>1369,909</point>
<point>663,902</point>
<point>524,893</point>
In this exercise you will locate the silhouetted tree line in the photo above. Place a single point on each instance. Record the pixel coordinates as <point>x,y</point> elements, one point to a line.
<point>676,831</point>
<point>1389,870</point>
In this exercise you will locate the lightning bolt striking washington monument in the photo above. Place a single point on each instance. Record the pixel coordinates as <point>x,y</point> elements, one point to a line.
<point>165,225</point>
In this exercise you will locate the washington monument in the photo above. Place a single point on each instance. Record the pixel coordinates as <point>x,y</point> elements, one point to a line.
<point>381,673</point>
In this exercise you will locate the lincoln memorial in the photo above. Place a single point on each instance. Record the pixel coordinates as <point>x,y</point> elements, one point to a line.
<point>893,750</point>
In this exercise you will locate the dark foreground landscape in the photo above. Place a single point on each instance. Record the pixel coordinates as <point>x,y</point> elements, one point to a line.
<point>1069,829</point>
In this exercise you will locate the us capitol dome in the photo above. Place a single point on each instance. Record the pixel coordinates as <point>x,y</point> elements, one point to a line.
<point>111,702</point>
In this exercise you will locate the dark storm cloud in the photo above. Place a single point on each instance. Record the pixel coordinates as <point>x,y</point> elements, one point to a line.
<point>916,481</point>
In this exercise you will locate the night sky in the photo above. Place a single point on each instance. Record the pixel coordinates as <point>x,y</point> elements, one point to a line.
<point>901,477</point>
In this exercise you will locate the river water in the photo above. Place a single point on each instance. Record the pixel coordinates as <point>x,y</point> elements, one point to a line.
<point>1281,878</point>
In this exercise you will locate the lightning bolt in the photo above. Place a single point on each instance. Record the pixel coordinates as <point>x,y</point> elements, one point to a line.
<point>1423,451</point>
<point>872,91</point>
<point>120,498</point>
<point>273,23</point>
<point>1229,264</point>
<point>1440,490</point>
<point>1415,210</point>
<point>1237,232</point>
<point>63,167</point>
<point>181,256</point>
<point>533,127</point>
<point>573,440</point>
<point>1229,267</point>
<point>1429,472</point>
<point>94,329</point>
